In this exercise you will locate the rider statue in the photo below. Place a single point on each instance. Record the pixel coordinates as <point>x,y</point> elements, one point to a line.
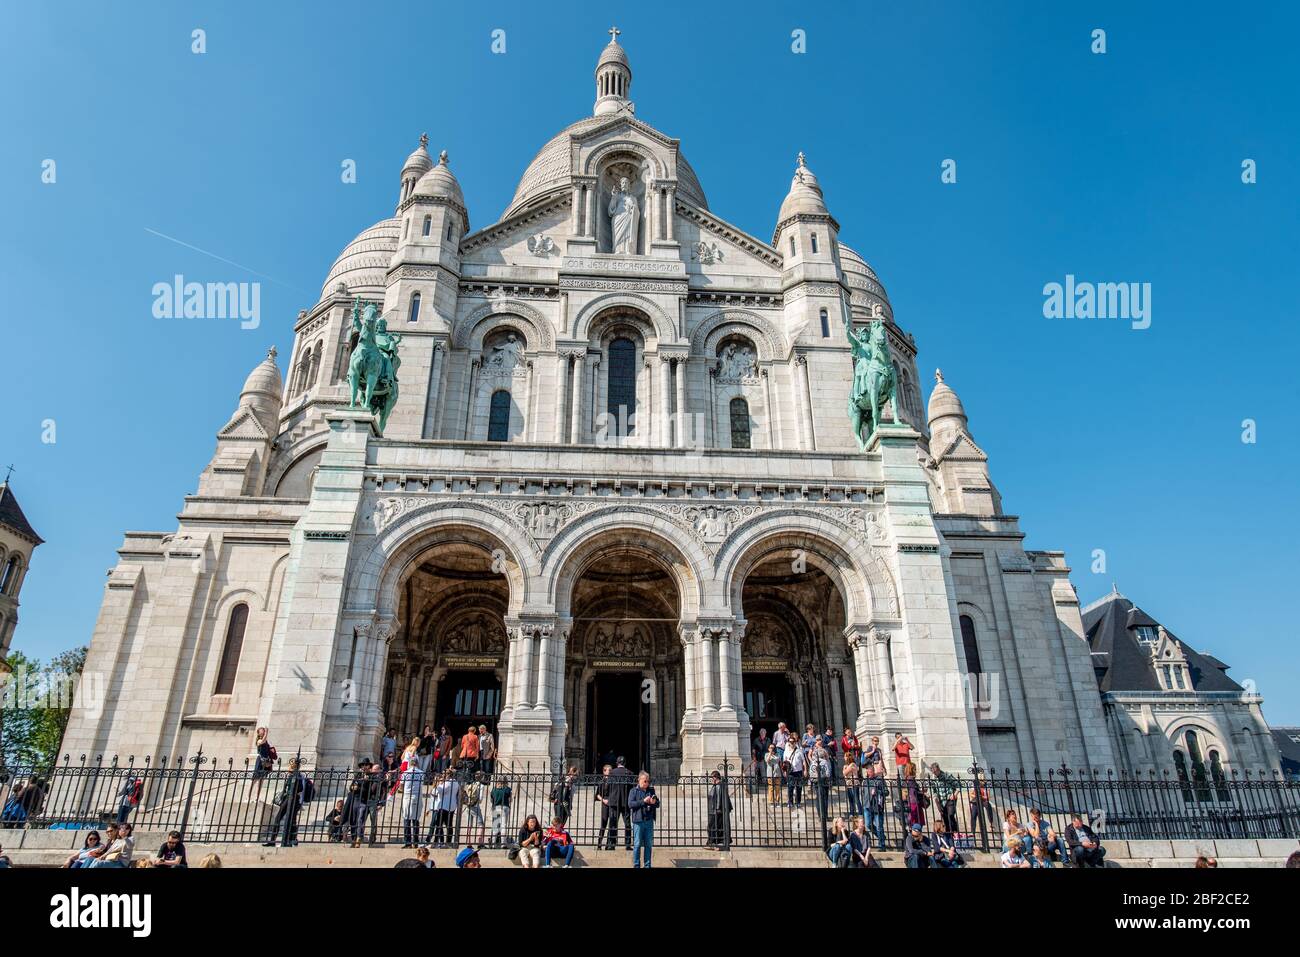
<point>874,380</point>
<point>372,370</point>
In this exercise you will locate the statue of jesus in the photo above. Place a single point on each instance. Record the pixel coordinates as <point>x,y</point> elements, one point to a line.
<point>623,214</point>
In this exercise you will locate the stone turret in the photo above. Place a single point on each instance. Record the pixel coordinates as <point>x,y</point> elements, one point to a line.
<point>962,467</point>
<point>416,165</point>
<point>613,78</point>
<point>244,444</point>
<point>806,236</point>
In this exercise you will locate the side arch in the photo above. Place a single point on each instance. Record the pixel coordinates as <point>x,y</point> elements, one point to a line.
<point>663,326</point>
<point>535,327</point>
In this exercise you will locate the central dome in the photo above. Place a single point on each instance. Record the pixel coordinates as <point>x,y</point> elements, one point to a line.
<point>550,173</point>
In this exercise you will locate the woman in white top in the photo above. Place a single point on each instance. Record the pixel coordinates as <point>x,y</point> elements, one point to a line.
<point>411,781</point>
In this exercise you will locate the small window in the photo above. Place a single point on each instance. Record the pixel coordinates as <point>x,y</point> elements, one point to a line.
<point>826,324</point>
<point>415,307</point>
<point>9,581</point>
<point>792,247</point>
<point>740,426</point>
<point>428,224</point>
<point>406,227</point>
<point>814,242</point>
<point>449,225</point>
<point>499,417</point>
<point>971,649</point>
<point>234,646</point>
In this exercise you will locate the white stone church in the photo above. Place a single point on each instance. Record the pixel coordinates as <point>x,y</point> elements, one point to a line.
<point>617,508</point>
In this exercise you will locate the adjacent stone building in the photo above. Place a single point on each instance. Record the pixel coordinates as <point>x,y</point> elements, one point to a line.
<point>618,506</point>
<point>17,542</point>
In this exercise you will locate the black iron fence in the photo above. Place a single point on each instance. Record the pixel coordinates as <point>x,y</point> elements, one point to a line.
<point>237,803</point>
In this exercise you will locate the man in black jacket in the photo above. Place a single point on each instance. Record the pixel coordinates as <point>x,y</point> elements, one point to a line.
<point>1085,846</point>
<point>365,789</point>
<point>288,804</point>
<point>719,813</point>
<point>620,786</point>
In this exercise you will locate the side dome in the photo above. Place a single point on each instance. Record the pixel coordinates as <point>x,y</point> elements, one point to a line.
<point>865,286</point>
<point>363,264</point>
<point>550,173</point>
<point>944,405</point>
<point>440,182</point>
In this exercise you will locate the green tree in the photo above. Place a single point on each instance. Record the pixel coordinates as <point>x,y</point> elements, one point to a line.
<point>35,703</point>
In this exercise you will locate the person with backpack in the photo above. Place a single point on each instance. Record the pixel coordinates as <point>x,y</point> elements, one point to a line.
<point>471,799</point>
<point>501,797</point>
<point>297,791</point>
<point>561,796</point>
<point>772,767</point>
<point>128,797</point>
<point>362,794</point>
<point>874,792</point>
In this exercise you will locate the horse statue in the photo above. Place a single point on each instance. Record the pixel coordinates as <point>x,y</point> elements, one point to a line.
<point>874,380</point>
<point>372,370</point>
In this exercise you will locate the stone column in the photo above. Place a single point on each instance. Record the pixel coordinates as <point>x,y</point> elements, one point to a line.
<point>469,396</point>
<point>770,411</point>
<point>670,213</point>
<point>432,408</point>
<point>563,396</point>
<point>590,228</point>
<point>679,374</point>
<point>809,439</point>
<point>663,429</point>
<point>888,696</point>
<point>861,651</point>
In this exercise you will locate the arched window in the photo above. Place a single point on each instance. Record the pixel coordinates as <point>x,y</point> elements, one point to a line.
<point>622,387</point>
<point>449,227</point>
<point>974,667</point>
<point>1197,765</point>
<point>9,581</point>
<point>313,374</point>
<point>499,417</point>
<point>230,654</point>
<point>826,324</point>
<point>740,426</point>
<point>415,308</point>
<point>1216,774</point>
<point>1180,768</point>
<point>428,224</point>
<point>814,242</point>
<point>792,246</point>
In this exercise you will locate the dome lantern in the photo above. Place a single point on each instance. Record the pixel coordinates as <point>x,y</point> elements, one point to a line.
<point>613,78</point>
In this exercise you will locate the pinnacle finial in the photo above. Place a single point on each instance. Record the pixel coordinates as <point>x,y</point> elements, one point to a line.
<point>442,157</point>
<point>801,159</point>
<point>613,34</point>
<point>271,353</point>
<point>424,140</point>
<point>938,375</point>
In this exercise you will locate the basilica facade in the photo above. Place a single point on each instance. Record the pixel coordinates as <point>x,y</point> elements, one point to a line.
<point>618,505</point>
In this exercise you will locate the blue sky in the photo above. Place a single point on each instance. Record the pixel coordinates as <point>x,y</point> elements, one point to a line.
<point>1117,167</point>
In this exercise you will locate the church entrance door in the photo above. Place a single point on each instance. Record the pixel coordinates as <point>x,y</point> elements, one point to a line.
<point>468,697</point>
<point>618,721</point>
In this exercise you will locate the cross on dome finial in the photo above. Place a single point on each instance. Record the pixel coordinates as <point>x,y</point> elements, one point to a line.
<point>938,375</point>
<point>271,353</point>
<point>424,140</point>
<point>801,159</point>
<point>613,34</point>
<point>442,157</point>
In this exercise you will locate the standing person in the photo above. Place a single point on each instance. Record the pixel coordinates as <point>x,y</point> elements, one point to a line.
<point>759,746</point>
<point>980,805</point>
<point>172,852</point>
<point>388,750</point>
<point>620,790</point>
<point>118,853</point>
<point>819,776</point>
<point>902,752</point>
<point>487,749</point>
<point>444,747</point>
<point>287,805</point>
<point>872,754</point>
<point>264,757</point>
<point>471,799</point>
<point>25,801</point>
<point>809,736</point>
<point>602,798</point>
<point>364,785</point>
<point>530,842</point>
<point>469,750</point>
<point>443,801</point>
<point>427,750</point>
<point>781,736</point>
<point>916,848</point>
<point>719,813</point>
<point>411,781</point>
<point>831,745</point>
<point>850,747</point>
<point>796,762</point>
<point>555,839</point>
<point>946,788</point>
<point>873,801</point>
<point>644,804</point>
<point>561,796</point>
<point>128,796</point>
<point>852,784</point>
<point>772,767</point>
<point>501,795</point>
<point>917,800</point>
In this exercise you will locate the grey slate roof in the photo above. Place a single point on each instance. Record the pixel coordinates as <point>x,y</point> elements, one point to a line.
<point>1288,750</point>
<point>1123,663</point>
<point>12,515</point>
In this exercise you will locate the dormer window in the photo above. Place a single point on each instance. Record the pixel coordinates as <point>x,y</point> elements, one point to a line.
<point>1147,633</point>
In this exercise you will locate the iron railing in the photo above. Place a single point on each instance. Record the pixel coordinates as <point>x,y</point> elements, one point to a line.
<point>211,803</point>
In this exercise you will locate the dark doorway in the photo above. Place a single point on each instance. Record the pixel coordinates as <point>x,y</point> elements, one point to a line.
<point>468,697</point>
<point>768,701</point>
<point>618,721</point>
